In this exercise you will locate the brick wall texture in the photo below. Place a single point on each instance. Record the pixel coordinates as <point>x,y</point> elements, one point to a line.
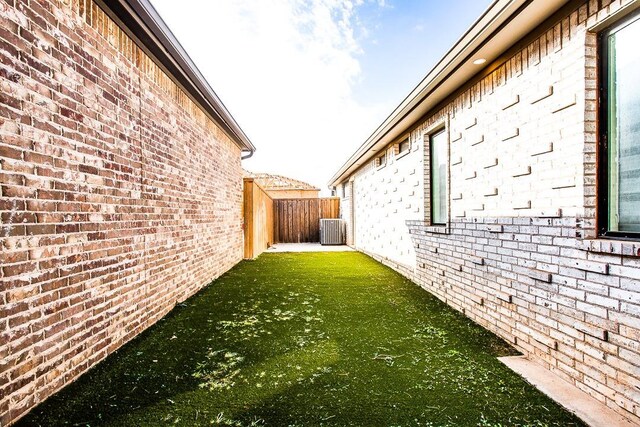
<point>385,197</point>
<point>520,254</point>
<point>119,197</point>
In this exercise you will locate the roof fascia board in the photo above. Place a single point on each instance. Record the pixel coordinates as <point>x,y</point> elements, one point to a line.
<point>449,61</point>
<point>469,42</point>
<point>498,16</point>
<point>145,26</point>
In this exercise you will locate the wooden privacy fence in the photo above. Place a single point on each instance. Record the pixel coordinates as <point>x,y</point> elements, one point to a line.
<point>258,219</point>
<point>298,220</point>
<point>268,221</point>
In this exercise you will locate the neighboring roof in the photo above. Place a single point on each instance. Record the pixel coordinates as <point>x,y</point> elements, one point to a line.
<point>496,30</point>
<point>271,182</point>
<point>143,23</point>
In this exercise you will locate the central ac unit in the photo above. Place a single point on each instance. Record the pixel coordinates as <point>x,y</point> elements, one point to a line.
<point>332,232</point>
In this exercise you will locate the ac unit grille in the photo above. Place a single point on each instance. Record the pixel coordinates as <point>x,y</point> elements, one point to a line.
<point>331,232</point>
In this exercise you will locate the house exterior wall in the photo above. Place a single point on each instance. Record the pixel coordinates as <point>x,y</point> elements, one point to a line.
<point>520,254</point>
<point>385,197</point>
<point>119,196</point>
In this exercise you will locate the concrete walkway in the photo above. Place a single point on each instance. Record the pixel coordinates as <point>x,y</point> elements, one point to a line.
<point>308,247</point>
<point>588,409</point>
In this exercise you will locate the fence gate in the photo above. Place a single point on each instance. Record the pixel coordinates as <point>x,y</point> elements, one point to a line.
<point>298,220</point>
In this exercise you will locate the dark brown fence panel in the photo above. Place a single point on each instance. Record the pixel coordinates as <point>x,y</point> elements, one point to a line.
<point>298,220</point>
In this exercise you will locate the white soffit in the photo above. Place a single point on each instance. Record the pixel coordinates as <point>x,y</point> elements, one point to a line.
<point>510,20</point>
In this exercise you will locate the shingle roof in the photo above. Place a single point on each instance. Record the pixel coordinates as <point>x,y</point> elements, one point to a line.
<point>278,182</point>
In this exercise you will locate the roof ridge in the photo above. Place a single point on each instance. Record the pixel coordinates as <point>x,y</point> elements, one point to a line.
<point>271,181</point>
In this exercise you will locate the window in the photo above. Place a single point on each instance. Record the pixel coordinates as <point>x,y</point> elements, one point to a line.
<point>404,145</point>
<point>619,175</point>
<point>438,174</point>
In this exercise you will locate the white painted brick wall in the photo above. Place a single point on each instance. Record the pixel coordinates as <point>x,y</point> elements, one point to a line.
<point>386,197</point>
<point>520,256</point>
<point>518,156</point>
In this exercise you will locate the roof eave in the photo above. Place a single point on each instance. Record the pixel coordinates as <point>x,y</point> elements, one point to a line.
<point>498,28</point>
<point>143,23</point>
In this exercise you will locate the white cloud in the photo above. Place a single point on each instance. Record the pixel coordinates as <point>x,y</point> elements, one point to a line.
<point>285,70</point>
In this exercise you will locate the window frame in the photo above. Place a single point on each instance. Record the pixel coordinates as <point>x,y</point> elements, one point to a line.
<point>430,135</point>
<point>402,152</point>
<point>603,166</point>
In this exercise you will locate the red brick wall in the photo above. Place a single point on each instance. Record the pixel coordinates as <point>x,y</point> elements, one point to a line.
<point>119,197</point>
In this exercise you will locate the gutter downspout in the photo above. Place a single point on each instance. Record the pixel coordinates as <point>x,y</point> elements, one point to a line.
<point>246,156</point>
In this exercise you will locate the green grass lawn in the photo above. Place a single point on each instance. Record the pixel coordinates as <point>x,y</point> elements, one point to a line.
<point>313,339</point>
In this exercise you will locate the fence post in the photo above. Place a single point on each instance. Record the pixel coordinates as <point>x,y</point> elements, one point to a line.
<point>248,218</point>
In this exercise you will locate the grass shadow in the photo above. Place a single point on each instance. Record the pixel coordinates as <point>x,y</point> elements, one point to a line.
<point>306,339</point>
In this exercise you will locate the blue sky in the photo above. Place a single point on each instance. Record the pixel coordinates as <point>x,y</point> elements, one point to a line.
<point>309,80</point>
<point>407,39</point>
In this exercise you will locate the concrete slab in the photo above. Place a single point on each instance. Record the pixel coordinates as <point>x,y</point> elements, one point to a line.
<point>588,409</point>
<point>308,247</point>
